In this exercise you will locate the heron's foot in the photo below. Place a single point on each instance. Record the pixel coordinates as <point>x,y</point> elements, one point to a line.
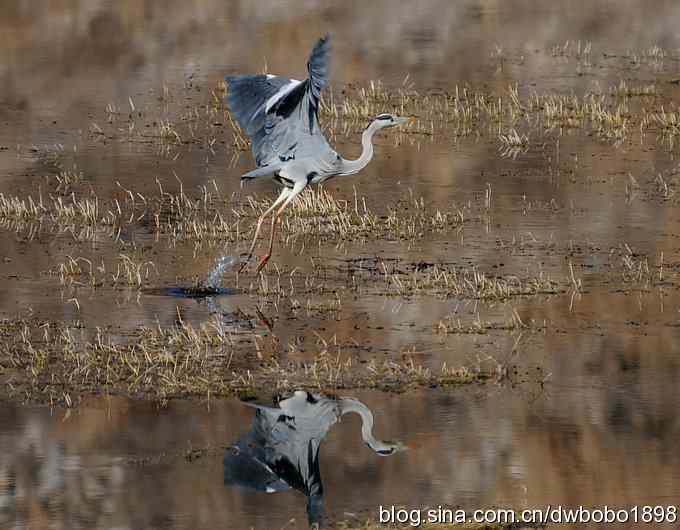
<point>263,263</point>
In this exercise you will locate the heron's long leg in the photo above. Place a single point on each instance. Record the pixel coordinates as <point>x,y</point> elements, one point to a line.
<point>275,219</point>
<point>282,197</point>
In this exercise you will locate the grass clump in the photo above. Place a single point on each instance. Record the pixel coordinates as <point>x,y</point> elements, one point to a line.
<point>318,213</point>
<point>13,208</point>
<point>468,283</point>
<point>452,324</point>
<point>52,362</point>
<point>126,271</point>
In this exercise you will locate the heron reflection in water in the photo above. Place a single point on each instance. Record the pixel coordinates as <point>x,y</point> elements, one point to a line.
<point>281,450</point>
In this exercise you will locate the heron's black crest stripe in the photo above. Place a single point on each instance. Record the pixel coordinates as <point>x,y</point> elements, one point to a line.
<point>310,397</point>
<point>383,117</point>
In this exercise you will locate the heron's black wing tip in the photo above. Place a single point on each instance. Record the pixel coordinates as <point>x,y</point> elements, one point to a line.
<point>322,46</point>
<point>318,66</point>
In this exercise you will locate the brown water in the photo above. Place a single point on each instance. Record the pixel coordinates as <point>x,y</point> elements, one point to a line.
<point>599,431</point>
<point>119,464</point>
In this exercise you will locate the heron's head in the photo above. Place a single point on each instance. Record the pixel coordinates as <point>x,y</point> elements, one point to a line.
<point>383,121</point>
<point>387,448</point>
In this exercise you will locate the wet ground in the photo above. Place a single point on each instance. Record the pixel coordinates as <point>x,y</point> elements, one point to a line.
<point>521,231</point>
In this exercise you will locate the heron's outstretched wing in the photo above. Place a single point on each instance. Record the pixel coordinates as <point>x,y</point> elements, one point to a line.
<point>280,115</point>
<point>248,95</point>
<point>247,100</point>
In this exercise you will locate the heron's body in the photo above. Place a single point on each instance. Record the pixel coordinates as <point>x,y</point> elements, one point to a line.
<point>281,117</point>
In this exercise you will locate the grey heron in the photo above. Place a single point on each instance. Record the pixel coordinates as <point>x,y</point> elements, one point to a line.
<point>281,117</point>
<point>281,450</point>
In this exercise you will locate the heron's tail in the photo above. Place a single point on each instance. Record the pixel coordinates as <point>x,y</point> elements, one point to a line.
<point>263,171</point>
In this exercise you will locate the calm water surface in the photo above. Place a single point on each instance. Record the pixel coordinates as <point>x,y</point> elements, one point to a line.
<point>113,463</point>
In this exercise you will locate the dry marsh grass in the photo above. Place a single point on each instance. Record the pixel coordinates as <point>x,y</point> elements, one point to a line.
<point>317,212</point>
<point>453,324</point>
<point>469,283</point>
<point>204,216</point>
<point>126,271</point>
<point>570,48</point>
<point>513,144</point>
<point>55,363</point>
<point>13,208</point>
<point>632,270</point>
<point>67,179</point>
<point>57,209</point>
<point>175,121</point>
<point>624,89</point>
<point>665,122</point>
<point>465,111</point>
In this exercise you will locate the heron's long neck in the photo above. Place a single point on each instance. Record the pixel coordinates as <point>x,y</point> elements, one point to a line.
<point>353,405</point>
<point>350,167</point>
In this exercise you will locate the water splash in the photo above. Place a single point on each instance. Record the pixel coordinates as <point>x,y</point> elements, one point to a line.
<point>221,265</point>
